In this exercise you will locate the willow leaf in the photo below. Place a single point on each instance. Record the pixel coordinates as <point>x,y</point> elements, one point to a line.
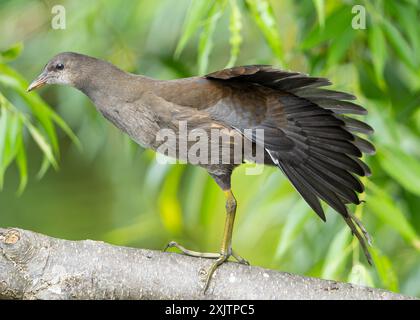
<point>263,16</point>
<point>195,15</point>
<point>235,27</point>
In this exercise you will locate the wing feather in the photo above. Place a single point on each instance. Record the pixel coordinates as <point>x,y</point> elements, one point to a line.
<point>322,159</point>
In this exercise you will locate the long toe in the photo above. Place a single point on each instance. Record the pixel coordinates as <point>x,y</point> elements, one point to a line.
<point>222,259</point>
<point>191,253</point>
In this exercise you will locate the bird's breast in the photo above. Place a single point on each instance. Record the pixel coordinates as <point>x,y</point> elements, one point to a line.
<point>135,120</point>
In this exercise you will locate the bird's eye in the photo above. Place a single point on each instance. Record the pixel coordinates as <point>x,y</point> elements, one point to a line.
<point>59,66</point>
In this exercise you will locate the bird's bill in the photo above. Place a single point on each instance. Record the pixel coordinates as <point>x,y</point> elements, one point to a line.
<point>38,82</point>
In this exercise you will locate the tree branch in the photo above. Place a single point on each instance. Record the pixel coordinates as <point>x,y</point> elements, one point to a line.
<point>35,266</point>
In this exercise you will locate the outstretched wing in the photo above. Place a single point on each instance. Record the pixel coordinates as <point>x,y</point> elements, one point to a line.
<point>307,134</point>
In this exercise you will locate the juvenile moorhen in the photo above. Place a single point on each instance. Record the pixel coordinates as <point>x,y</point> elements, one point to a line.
<point>306,134</point>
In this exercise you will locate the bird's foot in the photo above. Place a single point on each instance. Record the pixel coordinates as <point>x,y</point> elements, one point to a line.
<point>220,259</point>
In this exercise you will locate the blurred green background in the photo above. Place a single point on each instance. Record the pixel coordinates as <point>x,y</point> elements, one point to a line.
<point>102,186</point>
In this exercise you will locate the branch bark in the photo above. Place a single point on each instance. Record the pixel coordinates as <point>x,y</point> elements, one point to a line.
<point>35,266</point>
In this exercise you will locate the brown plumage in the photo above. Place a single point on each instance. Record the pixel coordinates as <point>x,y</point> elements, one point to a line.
<point>306,134</point>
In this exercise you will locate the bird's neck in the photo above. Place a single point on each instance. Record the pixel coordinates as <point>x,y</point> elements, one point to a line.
<point>107,84</point>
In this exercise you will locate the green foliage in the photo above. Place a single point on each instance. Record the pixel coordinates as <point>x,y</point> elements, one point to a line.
<point>114,192</point>
<point>381,204</point>
<point>320,10</point>
<point>12,53</point>
<point>204,16</point>
<point>401,166</point>
<point>39,123</point>
<point>263,15</point>
<point>196,15</point>
<point>235,28</point>
<point>206,43</point>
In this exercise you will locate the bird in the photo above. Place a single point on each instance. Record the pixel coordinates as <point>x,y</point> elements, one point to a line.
<point>307,131</point>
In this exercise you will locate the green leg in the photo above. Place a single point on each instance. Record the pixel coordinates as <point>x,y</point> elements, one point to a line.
<point>226,246</point>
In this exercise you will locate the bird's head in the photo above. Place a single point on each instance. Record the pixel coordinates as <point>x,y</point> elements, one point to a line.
<point>66,68</point>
